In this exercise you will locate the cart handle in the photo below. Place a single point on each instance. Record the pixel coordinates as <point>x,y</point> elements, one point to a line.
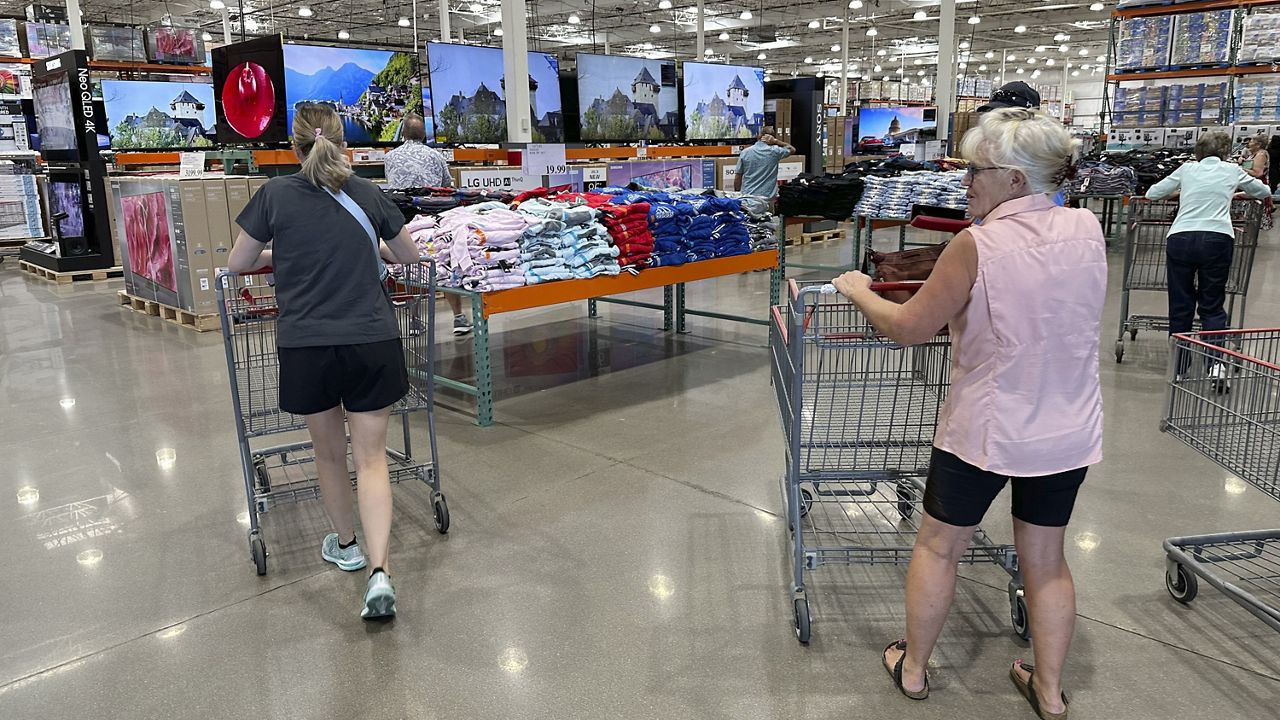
<point>876,287</point>
<point>1194,339</point>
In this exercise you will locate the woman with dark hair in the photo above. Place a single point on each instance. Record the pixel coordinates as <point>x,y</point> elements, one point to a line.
<point>341,362</point>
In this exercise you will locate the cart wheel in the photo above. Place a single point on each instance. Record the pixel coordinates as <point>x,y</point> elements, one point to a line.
<point>801,610</point>
<point>906,502</point>
<point>264,478</point>
<point>1120,351</point>
<point>1182,585</point>
<point>1133,334</point>
<point>1164,426</point>
<point>441,512</point>
<point>806,501</point>
<point>258,549</point>
<point>1020,617</point>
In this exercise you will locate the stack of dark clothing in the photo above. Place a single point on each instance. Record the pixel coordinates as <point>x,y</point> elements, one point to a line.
<point>726,234</point>
<point>670,222</point>
<point>433,201</point>
<point>761,224</point>
<point>1150,166</point>
<point>1096,178</point>
<point>826,196</point>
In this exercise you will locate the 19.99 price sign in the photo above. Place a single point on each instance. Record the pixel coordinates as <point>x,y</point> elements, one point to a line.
<point>544,159</point>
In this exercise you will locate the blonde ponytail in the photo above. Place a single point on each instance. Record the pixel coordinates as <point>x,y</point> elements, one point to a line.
<point>317,136</point>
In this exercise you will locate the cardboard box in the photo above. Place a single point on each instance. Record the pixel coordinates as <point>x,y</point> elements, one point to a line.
<point>201,297</point>
<point>220,225</point>
<point>257,181</point>
<point>237,198</point>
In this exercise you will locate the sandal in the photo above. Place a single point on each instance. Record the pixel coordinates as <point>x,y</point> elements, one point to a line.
<point>895,672</point>
<point>1028,690</point>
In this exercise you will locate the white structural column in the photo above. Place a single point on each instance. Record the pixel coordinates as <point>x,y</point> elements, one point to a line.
<point>77,30</point>
<point>945,87</point>
<point>515,67</point>
<point>226,26</point>
<point>844,65</point>
<point>1066,77</point>
<point>702,30</point>
<point>444,21</point>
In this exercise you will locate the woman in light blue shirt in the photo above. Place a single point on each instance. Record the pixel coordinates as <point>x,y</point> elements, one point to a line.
<point>1201,240</point>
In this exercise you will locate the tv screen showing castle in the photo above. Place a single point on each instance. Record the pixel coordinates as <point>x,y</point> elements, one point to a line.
<point>468,90</point>
<point>371,89</point>
<point>723,102</point>
<point>622,99</point>
<point>145,114</point>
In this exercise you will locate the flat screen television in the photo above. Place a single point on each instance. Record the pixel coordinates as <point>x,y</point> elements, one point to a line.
<point>428,112</point>
<point>148,115</point>
<point>625,99</point>
<point>55,121</point>
<point>469,94</point>
<point>723,102</point>
<point>371,89</point>
<point>66,196</point>
<point>893,126</point>
<point>249,91</point>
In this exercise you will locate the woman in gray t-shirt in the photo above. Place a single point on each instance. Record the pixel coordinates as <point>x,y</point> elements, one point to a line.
<point>337,337</point>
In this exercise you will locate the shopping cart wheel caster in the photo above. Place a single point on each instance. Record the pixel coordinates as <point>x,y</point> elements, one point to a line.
<point>1020,617</point>
<point>1182,585</point>
<point>906,502</point>
<point>441,511</point>
<point>258,549</point>
<point>802,620</point>
<point>1120,351</point>
<point>806,501</point>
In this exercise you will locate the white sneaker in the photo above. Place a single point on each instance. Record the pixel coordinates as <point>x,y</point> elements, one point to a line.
<point>1218,378</point>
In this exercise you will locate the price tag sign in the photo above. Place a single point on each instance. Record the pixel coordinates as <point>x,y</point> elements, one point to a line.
<point>448,154</point>
<point>642,151</point>
<point>595,174</point>
<point>191,165</point>
<point>544,159</point>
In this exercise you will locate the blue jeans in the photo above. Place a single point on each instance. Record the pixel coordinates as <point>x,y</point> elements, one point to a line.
<point>1199,264</point>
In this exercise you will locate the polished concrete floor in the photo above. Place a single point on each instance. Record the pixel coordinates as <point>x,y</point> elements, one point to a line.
<point>617,548</point>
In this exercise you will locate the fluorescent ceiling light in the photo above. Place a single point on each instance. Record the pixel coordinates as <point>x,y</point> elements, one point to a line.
<point>344,35</point>
<point>574,19</point>
<point>872,31</point>
<point>1020,29</point>
<point>305,11</point>
<point>655,29</point>
<point>746,15</point>
<point>974,19</point>
<point>921,15</point>
<point>664,4</point>
<point>815,24</point>
<point>403,22</point>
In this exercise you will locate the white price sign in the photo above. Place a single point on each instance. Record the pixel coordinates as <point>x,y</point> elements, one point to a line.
<point>595,174</point>
<point>544,159</point>
<point>191,165</point>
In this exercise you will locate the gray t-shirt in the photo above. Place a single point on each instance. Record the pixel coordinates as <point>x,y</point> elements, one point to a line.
<point>327,274</point>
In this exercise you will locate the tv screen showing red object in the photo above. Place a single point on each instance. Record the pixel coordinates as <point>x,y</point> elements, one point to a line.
<point>249,94</point>
<point>146,232</point>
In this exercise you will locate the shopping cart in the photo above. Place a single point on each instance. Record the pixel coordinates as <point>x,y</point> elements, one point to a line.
<point>1225,403</point>
<point>858,416</point>
<point>1145,265</point>
<point>284,472</point>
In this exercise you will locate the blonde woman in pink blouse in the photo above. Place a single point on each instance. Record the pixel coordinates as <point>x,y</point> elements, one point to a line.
<point>1022,294</point>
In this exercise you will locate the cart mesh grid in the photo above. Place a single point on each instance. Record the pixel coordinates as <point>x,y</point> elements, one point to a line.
<point>1145,261</point>
<point>1224,402</point>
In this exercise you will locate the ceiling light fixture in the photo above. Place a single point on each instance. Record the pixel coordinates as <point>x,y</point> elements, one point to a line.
<point>1064,48</point>
<point>1035,74</point>
<point>815,24</point>
<point>206,37</point>
<point>344,35</point>
<point>497,31</point>
<point>724,36</point>
<point>989,55</point>
<point>835,48</point>
<point>305,11</point>
<point>875,69</point>
<point>809,60</point>
<point>964,45</point>
<point>1011,57</point>
<point>1097,7</point>
<point>708,52</point>
<point>746,15</point>
<point>1019,71</point>
<point>1040,48</point>
<point>1031,61</point>
<point>855,4</point>
<point>574,19</point>
<point>881,53</point>
<point>1049,62</point>
<point>217,5</point>
<point>1102,58</point>
<point>974,19</point>
<point>921,15</point>
<point>920,73</point>
<point>476,7</point>
<point>761,56</point>
<point>961,66</point>
<point>403,22</point>
<point>655,29</point>
<point>872,31</point>
<point>250,24</point>
<point>982,68</point>
<point>1020,29</point>
<point>664,4</point>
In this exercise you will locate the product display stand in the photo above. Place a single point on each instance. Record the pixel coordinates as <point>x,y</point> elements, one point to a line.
<point>600,289</point>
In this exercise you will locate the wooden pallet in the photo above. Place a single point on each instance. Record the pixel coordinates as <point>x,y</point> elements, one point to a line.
<point>821,236</point>
<point>66,278</point>
<point>199,323</point>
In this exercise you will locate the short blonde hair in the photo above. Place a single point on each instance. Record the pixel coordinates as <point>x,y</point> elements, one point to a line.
<point>317,134</point>
<point>1026,140</point>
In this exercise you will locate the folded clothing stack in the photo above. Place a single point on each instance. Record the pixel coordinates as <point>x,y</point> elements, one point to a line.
<point>669,222</point>
<point>892,197</point>
<point>544,251</point>
<point>761,224</point>
<point>433,201</point>
<point>481,249</point>
<point>567,241</point>
<point>628,225</point>
<point>1095,178</point>
<point>701,244</point>
<point>728,233</point>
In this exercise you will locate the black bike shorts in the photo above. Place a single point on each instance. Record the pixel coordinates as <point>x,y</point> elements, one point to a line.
<point>959,494</point>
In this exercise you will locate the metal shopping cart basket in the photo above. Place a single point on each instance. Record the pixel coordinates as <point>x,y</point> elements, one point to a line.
<point>858,416</point>
<point>1145,265</point>
<point>284,472</point>
<point>1225,403</point>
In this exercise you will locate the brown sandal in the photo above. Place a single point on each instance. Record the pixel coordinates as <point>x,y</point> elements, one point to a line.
<point>895,672</point>
<point>1028,690</point>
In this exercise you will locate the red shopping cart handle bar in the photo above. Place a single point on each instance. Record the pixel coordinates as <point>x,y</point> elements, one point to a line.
<point>1195,339</point>
<point>930,222</point>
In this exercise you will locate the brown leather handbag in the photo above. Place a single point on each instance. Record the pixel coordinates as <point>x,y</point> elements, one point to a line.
<point>913,264</point>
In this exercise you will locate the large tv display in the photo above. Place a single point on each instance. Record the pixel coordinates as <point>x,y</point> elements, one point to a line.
<point>150,115</point>
<point>723,102</point>
<point>469,94</point>
<point>55,122</point>
<point>624,99</point>
<point>65,197</point>
<point>894,125</point>
<point>371,89</point>
<point>249,91</point>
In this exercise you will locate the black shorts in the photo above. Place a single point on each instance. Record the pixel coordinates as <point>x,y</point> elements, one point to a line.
<point>959,494</point>
<point>361,378</point>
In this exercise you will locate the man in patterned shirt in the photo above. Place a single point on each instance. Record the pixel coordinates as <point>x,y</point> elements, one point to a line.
<point>414,165</point>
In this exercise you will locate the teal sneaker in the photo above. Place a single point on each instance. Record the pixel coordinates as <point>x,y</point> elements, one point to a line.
<point>349,559</point>
<point>379,598</point>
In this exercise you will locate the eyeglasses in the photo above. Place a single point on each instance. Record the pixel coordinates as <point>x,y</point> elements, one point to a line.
<point>974,170</point>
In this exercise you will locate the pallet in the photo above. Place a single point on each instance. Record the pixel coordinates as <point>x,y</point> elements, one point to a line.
<point>821,236</point>
<point>66,278</point>
<point>199,323</point>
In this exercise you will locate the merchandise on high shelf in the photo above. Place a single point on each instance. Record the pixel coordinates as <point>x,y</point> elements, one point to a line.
<point>110,42</point>
<point>152,115</point>
<point>1257,99</point>
<point>626,99</point>
<point>1144,42</point>
<point>10,42</point>
<point>15,81</point>
<point>46,39</point>
<point>1260,39</point>
<point>1201,38</point>
<point>180,45</point>
<point>1139,107</point>
<point>371,89</point>
<point>723,102</point>
<point>249,91</point>
<point>468,89</point>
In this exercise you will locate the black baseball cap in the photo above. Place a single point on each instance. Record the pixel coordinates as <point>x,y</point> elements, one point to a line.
<point>1014,94</point>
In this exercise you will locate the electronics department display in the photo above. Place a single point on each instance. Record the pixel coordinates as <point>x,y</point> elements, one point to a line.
<point>109,42</point>
<point>372,90</point>
<point>175,45</point>
<point>625,99</point>
<point>249,91</point>
<point>723,102</point>
<point>468,90</point>
<point>47,39</point>
<point>155,115</point>
<point>55,124</point>
<point>10,41</point>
